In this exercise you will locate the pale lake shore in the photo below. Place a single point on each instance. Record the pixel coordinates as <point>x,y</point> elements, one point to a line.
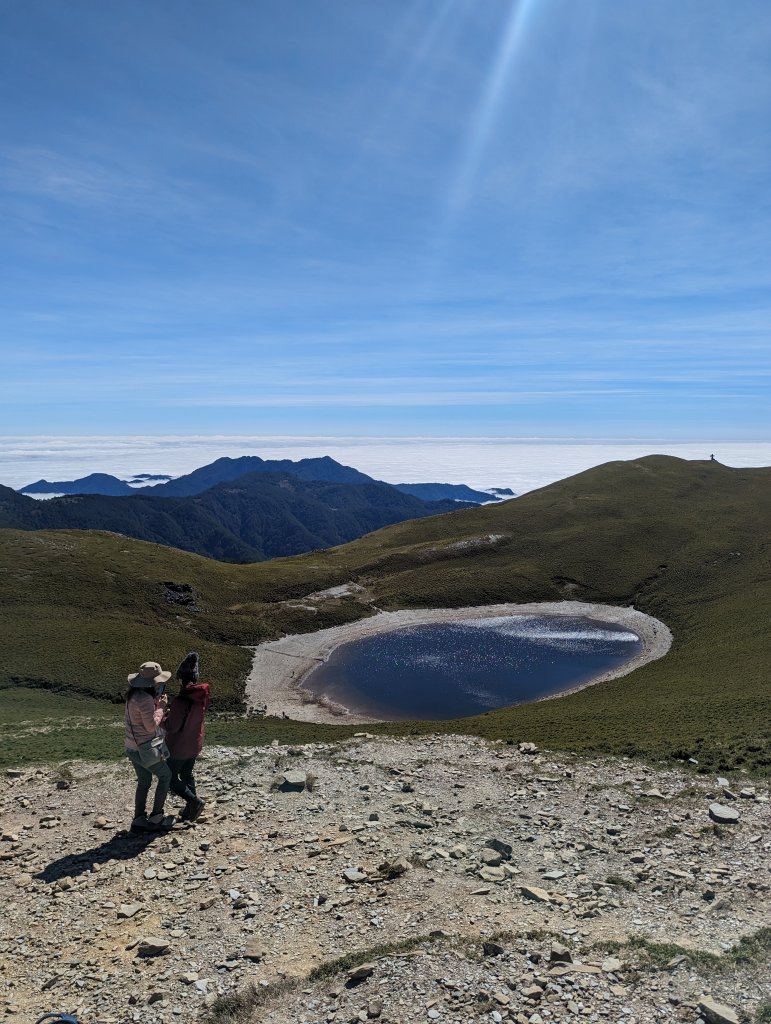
<point>280,666</point>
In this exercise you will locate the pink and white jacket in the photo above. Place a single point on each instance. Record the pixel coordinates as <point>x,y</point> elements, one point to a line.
<point>142,716</point>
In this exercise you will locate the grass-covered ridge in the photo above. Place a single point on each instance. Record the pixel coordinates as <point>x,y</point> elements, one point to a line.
<point>687,542</point>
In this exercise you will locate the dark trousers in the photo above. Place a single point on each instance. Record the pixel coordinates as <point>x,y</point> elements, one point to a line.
<point>145,779</point>
<point>182,781</point>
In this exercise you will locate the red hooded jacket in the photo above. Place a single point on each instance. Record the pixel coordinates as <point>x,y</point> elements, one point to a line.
<point>184,722</point>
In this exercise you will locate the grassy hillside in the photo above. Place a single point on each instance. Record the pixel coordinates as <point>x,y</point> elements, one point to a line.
<point>685,541</point>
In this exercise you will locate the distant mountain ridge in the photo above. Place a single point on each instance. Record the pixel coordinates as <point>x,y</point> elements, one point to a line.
<point>226,469</point>
<point>254,517</point>
<point>94,483</point>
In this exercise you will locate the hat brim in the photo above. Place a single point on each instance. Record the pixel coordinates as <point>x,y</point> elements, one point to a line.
<point>162,677</point>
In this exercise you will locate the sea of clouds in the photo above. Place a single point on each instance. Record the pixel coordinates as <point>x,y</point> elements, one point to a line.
<point>520,463</point>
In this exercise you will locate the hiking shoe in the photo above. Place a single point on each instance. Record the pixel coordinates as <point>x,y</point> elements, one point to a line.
<point>140,823</point>
<point>159,822</point>
<point>193,809</point>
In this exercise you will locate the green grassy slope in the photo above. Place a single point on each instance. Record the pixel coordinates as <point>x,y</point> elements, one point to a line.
<point>685,541</point>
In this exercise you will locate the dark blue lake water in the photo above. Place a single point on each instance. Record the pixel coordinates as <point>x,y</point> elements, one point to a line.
<point>453,670</point>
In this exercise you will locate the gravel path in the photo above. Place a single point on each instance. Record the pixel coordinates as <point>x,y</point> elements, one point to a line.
<point>408,853</point>
<point>279,666</point>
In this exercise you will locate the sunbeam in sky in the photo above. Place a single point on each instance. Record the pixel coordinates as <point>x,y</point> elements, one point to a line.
<point>493,97</point>
<point>429,31</point>
<point>491,217</point>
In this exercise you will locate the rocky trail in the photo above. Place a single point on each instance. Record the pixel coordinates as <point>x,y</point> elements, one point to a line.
<point>430,879</point>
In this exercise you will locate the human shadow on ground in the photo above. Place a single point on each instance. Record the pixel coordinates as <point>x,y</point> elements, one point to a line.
<point>122,846</point>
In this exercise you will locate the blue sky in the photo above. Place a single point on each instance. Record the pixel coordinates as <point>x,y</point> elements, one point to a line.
<point>543,217</point>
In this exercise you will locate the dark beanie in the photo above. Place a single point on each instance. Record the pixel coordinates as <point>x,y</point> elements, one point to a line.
<point>188,671</point>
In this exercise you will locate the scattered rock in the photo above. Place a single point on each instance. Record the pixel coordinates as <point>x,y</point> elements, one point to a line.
<point>354,875</point>
<point>504,849</point>
<point>560,954</point>
<point>152,946</point>
<point>723,815</point>
<point>492,949</point>
<point>359,974</point>
<point>532,892</point>
<point>715,1013</point>
<point>291,782</point>
<point>255,950</point>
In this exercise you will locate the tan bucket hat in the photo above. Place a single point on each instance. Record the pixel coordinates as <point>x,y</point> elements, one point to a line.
<point>149,672</point>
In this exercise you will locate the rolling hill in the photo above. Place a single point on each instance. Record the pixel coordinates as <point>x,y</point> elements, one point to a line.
<point>689,542</point>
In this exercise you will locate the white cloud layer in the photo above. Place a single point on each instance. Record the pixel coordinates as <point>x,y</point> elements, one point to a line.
<point>520,463</point>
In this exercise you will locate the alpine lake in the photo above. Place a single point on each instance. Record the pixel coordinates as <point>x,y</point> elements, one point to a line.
<point>453,670</point>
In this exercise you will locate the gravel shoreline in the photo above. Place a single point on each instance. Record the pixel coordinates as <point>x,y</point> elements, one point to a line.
<point>280,666</point>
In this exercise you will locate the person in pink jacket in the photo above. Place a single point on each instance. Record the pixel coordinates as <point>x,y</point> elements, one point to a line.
<point>184,734</point>
<point>144,713</point>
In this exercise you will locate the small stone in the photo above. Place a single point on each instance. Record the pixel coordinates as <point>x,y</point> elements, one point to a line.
<point>560,954</point>
<point>127,910</point>
<point>152,946</point>
<point>491,857</point>
<point>611,965</point>
<point>394,868</point>
<point>492,949</point>
<point>723,815</point>
<point>374,1009</point>
<point>291,782</point>
<point>534,992</point>
<point>354,875</point>
<point>532,892</point>
<point>492,874</point>
<point>505,849</point>
<point>716,1013</point>
<point>359,974</point>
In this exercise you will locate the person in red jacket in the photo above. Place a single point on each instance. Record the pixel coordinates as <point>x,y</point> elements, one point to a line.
<point>184,734</point>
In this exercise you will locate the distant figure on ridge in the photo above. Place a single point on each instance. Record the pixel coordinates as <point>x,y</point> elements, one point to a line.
<point>184,734</point>
<point>145,745</point>
<point>712,458</point>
